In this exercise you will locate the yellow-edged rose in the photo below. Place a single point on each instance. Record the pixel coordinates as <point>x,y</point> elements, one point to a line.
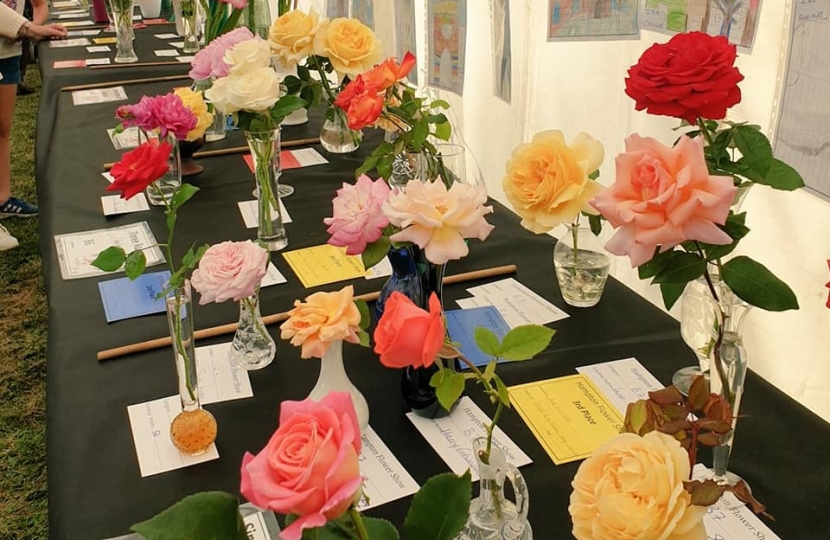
<point>194,101</point>
<point>324,317</point>
<point>350,45</point>
<point>292,36</point>
<point>547,180</point>
<point>632,488</point>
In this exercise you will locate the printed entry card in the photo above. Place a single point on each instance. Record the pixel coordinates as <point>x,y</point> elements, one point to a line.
<point>621,381</point>
<point>320,265</point>
<point>385,479</point>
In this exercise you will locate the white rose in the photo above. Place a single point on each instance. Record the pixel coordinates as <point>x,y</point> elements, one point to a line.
<point>255,90</point>
<point>217,94</point>
<point>247,55</point>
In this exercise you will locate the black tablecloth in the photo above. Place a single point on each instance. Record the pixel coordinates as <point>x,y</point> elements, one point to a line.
<point>95,489</point>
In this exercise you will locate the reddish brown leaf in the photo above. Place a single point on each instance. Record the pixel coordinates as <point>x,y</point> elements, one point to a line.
<point>699,393</point>
<point>742,492</point>
<point>709,439</point>
<point>636,416</point>
<point>666,396</point>
<point>718,408</point>
<point>674,426</point>
<point>712,424</point>
<point>704,492</point>
<point>675,412</point>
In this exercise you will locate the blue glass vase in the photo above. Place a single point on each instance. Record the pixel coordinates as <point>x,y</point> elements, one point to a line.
<point>406,279</point>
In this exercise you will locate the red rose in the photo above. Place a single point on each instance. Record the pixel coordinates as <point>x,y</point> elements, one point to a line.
<point>407,335</point>
<point>692,76</point>
<point>139,168</point>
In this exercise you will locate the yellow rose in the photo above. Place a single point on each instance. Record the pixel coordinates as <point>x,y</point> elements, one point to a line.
<point>547,180</point>
<point>350,45</point>
<point>632,487</point>
<point>292,36</point>
<point>323,317</point>
<point>194,101</point>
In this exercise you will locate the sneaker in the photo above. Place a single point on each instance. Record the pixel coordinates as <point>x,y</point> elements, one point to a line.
<point>7,241</point>
<point>17,208</point>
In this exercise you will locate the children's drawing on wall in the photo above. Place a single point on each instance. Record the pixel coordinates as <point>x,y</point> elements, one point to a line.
<point>405,34</point>
<point>363,11</point>
<point>736,19</point>
<point>569,19</point>
<point>502,74</point>
<point>447,21</point>
<point>337,8</point>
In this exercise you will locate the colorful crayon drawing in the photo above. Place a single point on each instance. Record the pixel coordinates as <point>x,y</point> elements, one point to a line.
<point>736,19</point>
<point>447,40</point>
<point>592,18</point>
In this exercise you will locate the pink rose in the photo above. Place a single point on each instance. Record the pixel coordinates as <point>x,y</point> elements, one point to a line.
<point>236,4</point>
<point>166,113</point>
<point>664,196</point>
<point>438,219</point>
<point>358,215</point>
<point>310,466</point>
<point>230,270</point>
<point>209,62</point>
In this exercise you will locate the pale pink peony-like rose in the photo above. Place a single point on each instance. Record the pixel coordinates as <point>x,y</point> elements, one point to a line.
<point>664,196</point>
<point>358,215</point>
<point>438,219</point>
<point>209,62</point>
<point>310,466</point>
<point>324,317</point>
<point>230,271</point>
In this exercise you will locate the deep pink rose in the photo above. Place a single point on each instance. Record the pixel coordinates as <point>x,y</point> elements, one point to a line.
<point>236,4</point>
<point>664,196</point>
<point>358,215</point>
<point>166,113</point>
<point>230,271</point>
<point>209,61</point>
<point>310,466</point>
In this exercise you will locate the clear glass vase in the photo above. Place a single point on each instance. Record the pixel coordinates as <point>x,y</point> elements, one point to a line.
<point>163,189</point>
<point>449,163</point>
<point>194,429</point>
<point>333,378</point>
<point>336,137</point>
<point>492,515</point>
<point>252,347</point>
<point>122,18</point>
<point>581,267</point>
<point>190,26</point>
<point>698,327</point>
<point>218,130</point>
<point>257,18</point>
<point>265,149</point>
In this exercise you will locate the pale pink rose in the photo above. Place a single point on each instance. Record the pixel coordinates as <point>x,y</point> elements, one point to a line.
<point>664,196</point>
<point>358,215</point>
<point>236,4</point>
<point>230,271</point>
<point>324,317</point>
<point>209,62</point>
<point>310,466</point>
<point>438,219</point>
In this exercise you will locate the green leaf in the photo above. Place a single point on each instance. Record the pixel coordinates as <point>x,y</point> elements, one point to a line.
<point>292,85</point>
<point>375,252</point>
<point>503,392</point>
<point>419,133</point>
<point>439,118</point>
<point>285,106</point>
<point>736,230</point>
<point>368,164</point>
<point>439,104</point>
<point>671,293</point>
<point>208,515</point>
<point>595,221</point>
<point>490,370</point>
<point>755,148</point>
<point>380,529</point>
<point>134,264</point>
<point>487,341</point>
<point>364,339</point>
<point>182,195</point>
<point>110,259</point>
<point>682,267</point>
<point>781,176</point>
<point>365,317</point>
<point>754,284</point>
<point>448,385</point>
<point>654,266</point>
<point>636,415</point>
<point>384,166</point>
<point>443,131</point>
<point>718,149</point>
<point>192,258</point>
<point>594,175</point>
<point>524,342</point>
<point>303,72</point>
<point>440,508</point>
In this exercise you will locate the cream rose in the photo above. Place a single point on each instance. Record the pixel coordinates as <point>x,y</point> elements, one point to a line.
<point>350,45</point>
<point>292,36</point>
<point>248,55</point>
<point>194,101</point>
<point>632,488</point>
<point>324,317</point>
<point>256,90</point>
<point>547,180</point>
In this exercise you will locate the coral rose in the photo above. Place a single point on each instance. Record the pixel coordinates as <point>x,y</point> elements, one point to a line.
<point>230,271</point>
<point>350,46</point>
<point>310,466</point>
<point>323,317</point>
<point>692,76</point>
<point>632,488</point>
<point>358,215</point>
<point>292,36</point>
<point>139,168</point>
<point>664,196</point>
<point>196,104</point>
<point>438,219</point>
<point>547,180</point>
<point>388,72</point>
<point>407,335</point>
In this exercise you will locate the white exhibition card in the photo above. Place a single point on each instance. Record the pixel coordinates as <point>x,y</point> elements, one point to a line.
<point>219,378</point>
<point>150,424</point>
<point>64,43</point>
<point>78,33</point>
<point>250,213</point>
<point>381,269</point>
<point>99,48</point>
<point>452,437</point>
<point>185,59</point>
<point>72,15</point>
<point>108,177</point>
<point>177,44</point>
<point>125,140</point>
<point>385,479</point>
<point>167,36</point>
<point>77,250</point>
<point>99,95</point>
<point>303,157</point>
<point>517,304</point>
<point>114,204</point>
<point>272,277</point>
<point>97,61</point>
<point>167,52</point>
<point>621,381</point>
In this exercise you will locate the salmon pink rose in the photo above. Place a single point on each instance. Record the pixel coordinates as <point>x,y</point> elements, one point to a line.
<point>230,271</point>
<point>324,317</point>
<point>358,215</point>
<point>407,335</point>
<point>310,466</point>
<point>664,196</point>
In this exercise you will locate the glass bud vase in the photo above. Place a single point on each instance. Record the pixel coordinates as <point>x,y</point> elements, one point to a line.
<point>333,378</point>
<point>122,13</point>
<point>581,267</point>
<point>252,347</point>
<point>163,189</point>
<point>405,279</point>
<point>492,515</point>
<point>698,327</point>
<point>336,137</point>
<point>194,429</point>
<point>218,129</point>
<point>265,149</point>
<point>190,26</point>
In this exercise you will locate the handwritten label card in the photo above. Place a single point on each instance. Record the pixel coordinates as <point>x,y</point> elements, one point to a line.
<point>569,416</point>
<point>462,324</point>
<point>73,15</point>
<point>219,378</point>
<point>78,33</point>
<point>250,213</point>
<point>320,265</point>
<point>386,479</point>
<point>62,44</point>
<point>99,48</point>
<point>381,269</point>
<point>99,95</point>
<point>272,277</point>
<point>125,140</point>
<point>114,204</point>
<point>124,298</point>
<point>621,381</point>
<point>96,62</point>
<point>517,304</point>
<point>167,52</point>
<point>452,437</point>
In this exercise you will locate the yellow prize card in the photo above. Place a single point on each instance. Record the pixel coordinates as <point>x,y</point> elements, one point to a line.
<point>569,416</point>
<point>324,264</point>
<point>104,40</point>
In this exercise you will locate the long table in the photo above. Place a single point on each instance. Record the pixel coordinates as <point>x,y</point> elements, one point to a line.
<point>95,488</point>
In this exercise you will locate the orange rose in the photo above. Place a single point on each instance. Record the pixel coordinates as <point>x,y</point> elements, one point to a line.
<point>407,335</point>
<point>323,318</point>
<point>362,103</point>
<point>387,73</point>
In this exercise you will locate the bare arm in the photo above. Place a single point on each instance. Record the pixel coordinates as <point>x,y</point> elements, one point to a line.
<point>40,11</point>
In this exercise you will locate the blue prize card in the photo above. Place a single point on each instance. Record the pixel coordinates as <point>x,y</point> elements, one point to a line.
<point>462,324</point>
<point>125,299</point>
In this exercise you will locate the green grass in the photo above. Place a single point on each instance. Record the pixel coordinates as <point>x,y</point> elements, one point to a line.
<point>23,346</point>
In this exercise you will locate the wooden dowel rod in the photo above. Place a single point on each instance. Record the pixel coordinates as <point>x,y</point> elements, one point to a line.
<point>113,84</point>
<point>140,64</point>
<point>230,328</point>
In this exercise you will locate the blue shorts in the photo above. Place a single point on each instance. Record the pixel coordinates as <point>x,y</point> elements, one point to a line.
<point>10,69</point>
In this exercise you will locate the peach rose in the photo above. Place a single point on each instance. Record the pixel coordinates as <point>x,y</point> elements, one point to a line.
<point>547,180</point>
<point>664,196</point>
<point>292,36</point>
<point>194,101</point>
<point>407,335</point>
<point>323,317</point>
<point>310,466</point>
<point>350,46</point>
<point>632,488</point>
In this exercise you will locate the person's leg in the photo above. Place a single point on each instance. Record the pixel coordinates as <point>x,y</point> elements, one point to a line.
<point>9,206</point>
